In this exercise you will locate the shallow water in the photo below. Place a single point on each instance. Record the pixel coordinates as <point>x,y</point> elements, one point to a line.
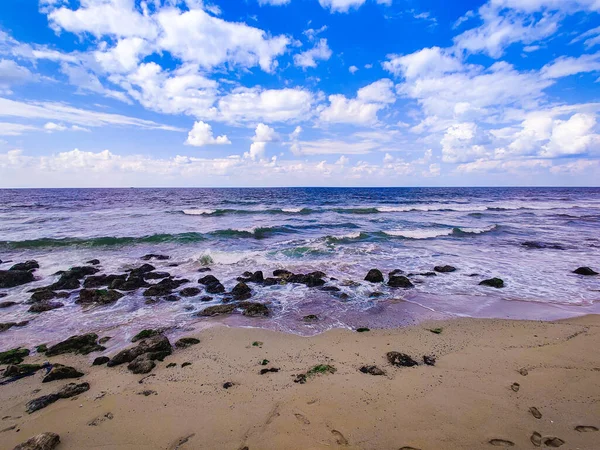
<point>343,232</point>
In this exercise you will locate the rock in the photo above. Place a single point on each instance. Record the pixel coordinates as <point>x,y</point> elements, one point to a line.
<point>252,309</point>
<point>27,265</point>
<point>186,342</point>
<point>493,282</point>
<point>144,334</point>
<point>206,298</point>
<point>428,274</point>
<point>70,279</point>
<point>8,325</point>
<point>208,279</point>
<point>540,245</point>
<point>140,271</point>
<point>585,271</point>
<point>44,306</point>
<point>154,256</point>
<point>300,379</point>
<point>204,269</point>
<point>282,273</point>
<point>98,296</point>
<point>311,318</point>
<point>271,281</point>
<point>93,262</point>
<point>376,294</point>
<point>12,278</point>
<point>97,281</point>
<point>142,364</point>
<point>7,304</point>
<point>60,372</point>
<point>374,276</point>
<point>372,370</point>
<point>362,330</point>
<point>241,291</point>
<point>189,292</point>
<point>82,345</point>
<point>257,277</point>
<point>330,289</point>
<point>400,281</point>
<point>395,272</point>
<point>217,310</point>
<point>42,296</point>
<point>68,391</point>
<point>429,360</point>
<point>100,361</point>
<point>401,359</point>
<point>42,348</point>
<point>104,340</point>
<point>272,369</point>
<point>21,369</point>
<point>215,288</point>
<point>185,364</point>
<point>14,356</point>
<point>158,290</point>
<point>444,269</point>
<point>171,298</point>
<point>132,283</point>
<point>228,385</point>
<point>156,275</point>
<point>44,441</point>
<point>157,347</point>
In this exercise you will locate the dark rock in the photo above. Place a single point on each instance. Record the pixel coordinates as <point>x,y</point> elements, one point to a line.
<point>12,278</point>
<point>228,385</point>
<point>8,325</point>
<point>208,279</point>
<point>271,281</point>
<point>43,348</point>
<point>241,291</point>
<point>100,361</point>
<point>493,282</point>
<point>140,271</point>
<point>70,279</point>
<point>399,281</point>
<point>313,280</point>
<point>82,345</point>
<point>44,441</point>
<point>374,276</point>
<point>104,340</point>
<point>132,283</point>
<point>428,274</point>
<point>156,275</point>
<point>341,295</point>
<point>206,298</point>
<point>215,288</point>
<point>7,304</point>
<point>21,369</point>
<point>330,289</point>
<point>376,294</point>
<point>142,364</point>
<point>429,360</point>
<point>444,269</point>
<point>401,359</point>
<point>282,273</point>
<point>154,256</point>
<point>186,342</point>
<point>97,281</point>
<point>144,334</point>
<point>372,370</point>
<point>204,269</point>
<point>395,272</point>
<point>157,347</point>
<point>189,292</point>
<point>171,298</point>
<point>27,265</point>
<point>362,330</point>
<point>68,391</point>
<point>252,309</point>
<point>300,379</point>
<point>272,369</point>
<point>541,245</point>
<point>217,310</point>
<point>14,356</point>
<point>98,296</point>
<point>311,318</point>
<point>249,277</point>
<point>158,290</point>
<point>185,364</point>
<point>585,271</point>
<point>42,296</point>
<point>41,307</point>
<point>60,372</point>
<point>93,262</point>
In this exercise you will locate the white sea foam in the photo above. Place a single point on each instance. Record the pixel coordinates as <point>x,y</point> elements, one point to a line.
<point>198,212</point>
<point>291,210</point>
<point>425,233</point>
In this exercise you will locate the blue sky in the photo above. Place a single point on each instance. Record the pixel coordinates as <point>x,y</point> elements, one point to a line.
<point>299,92</point>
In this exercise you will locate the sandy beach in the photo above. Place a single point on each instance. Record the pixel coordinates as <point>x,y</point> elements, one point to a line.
<point>468,400</point>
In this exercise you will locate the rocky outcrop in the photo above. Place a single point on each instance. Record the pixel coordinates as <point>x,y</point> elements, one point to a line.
<point>70,279</point>
<point>212,284</point>
<point>164,287</point>
<point>100,360</point>
<point>251,309</point>
<point>97,281</point>
<point>399,281</point>
<point>493,282</point>
<point>588,271</point>
<point>141,270</point>
<point>68,391</point>
<point>27,265</point>
<point>8,325</point>
<point>41,307</point>
<point>93,262</point>
<point>189,292</point>
<point>98,296</point>
<point>14,356</point>
<point>217,310</point>
<point>372,370</point>
<point>401,359</point>
<point>150,256</point>
<point>43,441</point>
<point>249,277</point>
<point>374,276</point>
<point>13,278</point>
<point>154,347</point>
<point>186,342</point>
<point>241,291</point>
<point>7,304</point>
<point>60,372</point>
<point>444,269</point>
<point>80,344</point>
<point>156,275</point>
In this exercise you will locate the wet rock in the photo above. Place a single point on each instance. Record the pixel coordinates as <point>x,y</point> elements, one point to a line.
<point>7,304</point>
<point>395,272</point>
<point>270,370</point>
<point>144,334</point>
<point>249,277</point>
<point>186,342</point>
<point>93,262</point>
<point>217,310</point>
<point>541,245</point>
<point>13,278</point>
<point>41,307</point>
<point>21,369</point>
<point>81,344</point>
<point>104,340</point>
<point>158,290</point>
<point>156,275</point>
<point>156,347</point>
<point>215,288</point>
<point>271,281</point>
<point>60,372</point>
<point>372,370</point>
<point>493,282</point>
<point>27,265</point>
<point>132,283</point>
<point>14,356</point>
<point>169,298</point>
<point>42,296</point>
<point>310,318</point>
<point>100,361</point>
<point>428,274</point>
<point>8,325</point>
<point>585,271</point>
<point>150,256</point>
<point>142,364</point>
<point>206,298</point>
<point>208,279</point>
<point>241,291</point>
<point>445,269</point>
<point>70,279</point>
<point>429,360</point>
<point>204,269</point>
<point>330,289</point>
<point>251,309</point>
<point>44,441</point>
<point>141,270</point>
<point>98,296</point>
<point>282,273</point>
<point>400,359</point>
<point>189,292</point>
<point>68,391</point>
<point>97,281</point>
<point>374,276</point>
<point>400,281</point>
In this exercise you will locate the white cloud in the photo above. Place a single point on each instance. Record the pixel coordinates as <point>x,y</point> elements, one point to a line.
<point>428,61</point>
<point>262,135</point>
<point>346,5</point>
<point>380,91</point>
<point>11,74</point>
<point>566,66</point>
<point>14,129</point>
<point>201,134</point>
<point>273,2</point>
<point>459,144</point>
<point>353,69</point>
<point>591,38</point>
<point>312,33</point>
<point>572,137</point>
<point>309,58</point>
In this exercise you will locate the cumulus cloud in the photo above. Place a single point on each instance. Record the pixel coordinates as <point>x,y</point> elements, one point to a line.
<point>309,58</point>
<point>262,135</point>
<point>343,6</point>
<point>12,73</point>
<point>201,134</point>
<point>566,66</point>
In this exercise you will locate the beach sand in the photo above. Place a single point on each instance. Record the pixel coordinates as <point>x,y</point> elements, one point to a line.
<point>463,402</point>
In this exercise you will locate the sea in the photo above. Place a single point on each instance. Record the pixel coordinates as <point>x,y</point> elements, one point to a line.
<point>532,238</point>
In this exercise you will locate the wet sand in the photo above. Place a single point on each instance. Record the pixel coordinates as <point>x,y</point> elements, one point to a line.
<point>465,401</point>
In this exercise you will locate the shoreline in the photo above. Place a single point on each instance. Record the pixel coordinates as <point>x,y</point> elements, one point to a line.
<point>463,402</point>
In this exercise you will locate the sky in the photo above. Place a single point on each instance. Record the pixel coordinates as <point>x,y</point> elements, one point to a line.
<point>120,93</point>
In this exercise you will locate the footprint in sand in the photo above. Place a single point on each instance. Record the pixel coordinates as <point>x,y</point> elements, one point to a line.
<point>536,439</point>
<point>339,437</point>
<point>535,412</point>
<point>585,428</point>
<point>98,420</point>
<point>502,443</point>
<point>515,387</point>
<point>553,442</point>
<point>302,419</point>
<point>180,442</point>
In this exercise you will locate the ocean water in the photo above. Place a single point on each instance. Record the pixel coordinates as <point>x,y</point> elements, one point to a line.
<point>342,232</point>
